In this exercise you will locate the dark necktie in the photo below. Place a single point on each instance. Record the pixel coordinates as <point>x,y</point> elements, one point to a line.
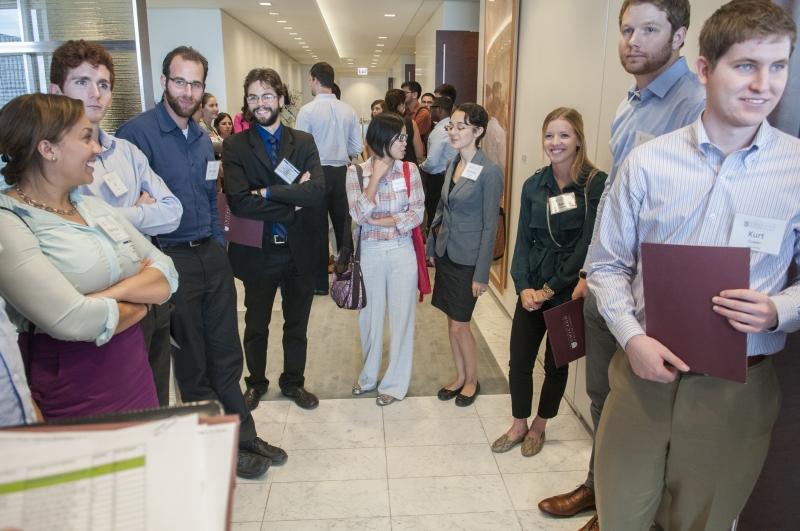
<point>272,151</point>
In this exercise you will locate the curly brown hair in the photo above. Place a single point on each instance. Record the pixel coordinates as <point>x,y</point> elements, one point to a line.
<point>73,54</point>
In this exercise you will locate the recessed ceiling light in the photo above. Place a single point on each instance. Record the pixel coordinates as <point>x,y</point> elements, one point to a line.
<point>379,44</point>
<point>265,3</point>
<point>382,37</point>
<point>304,46</point>
<point>273,13</point>
<point>377,51</point>
<point>287,27</point>
<point>281,21</point>
<point>389,15</point>
<point>301,42</point>
<point>295,33</point>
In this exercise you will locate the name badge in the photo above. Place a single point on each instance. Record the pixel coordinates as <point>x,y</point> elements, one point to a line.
<point>562,203</point>
<point>287,171</point>
<point>112,229</point>
<point>759,234</point>
<point>399,185</point>
<point>640,137</point>
<point>472,171</point>
<point>115,184</point>
<point>212,170</point>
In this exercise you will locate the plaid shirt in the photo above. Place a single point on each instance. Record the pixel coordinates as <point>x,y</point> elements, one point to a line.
<point>392,199</point>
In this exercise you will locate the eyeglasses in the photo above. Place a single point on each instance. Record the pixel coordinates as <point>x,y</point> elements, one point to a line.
<point>458,126</point>
<point>182,83</point>
<point>402,137</point>
<point>264,98</point>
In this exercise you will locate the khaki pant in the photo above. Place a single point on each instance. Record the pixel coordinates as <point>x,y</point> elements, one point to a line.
<point>701,440</point>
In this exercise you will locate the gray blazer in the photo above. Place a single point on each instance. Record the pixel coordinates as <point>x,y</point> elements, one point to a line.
<point>467,217</point>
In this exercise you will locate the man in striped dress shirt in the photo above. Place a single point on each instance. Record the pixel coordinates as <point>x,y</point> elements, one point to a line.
<point>664,428</point>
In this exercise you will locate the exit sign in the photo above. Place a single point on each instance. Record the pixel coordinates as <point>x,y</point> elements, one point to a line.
<point>361,70</point>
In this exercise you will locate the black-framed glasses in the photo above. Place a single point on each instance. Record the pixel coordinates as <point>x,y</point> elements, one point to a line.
<point>264,98</point>
<point>182,83</point>
<point>402,137</point>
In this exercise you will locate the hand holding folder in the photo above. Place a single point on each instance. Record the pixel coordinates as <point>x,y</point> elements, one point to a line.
<point>565,331</point>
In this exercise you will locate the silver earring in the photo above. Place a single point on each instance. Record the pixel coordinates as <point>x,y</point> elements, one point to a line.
<point>54,158</point>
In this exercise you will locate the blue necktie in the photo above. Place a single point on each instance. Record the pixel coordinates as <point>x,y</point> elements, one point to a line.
<point>277,228</point>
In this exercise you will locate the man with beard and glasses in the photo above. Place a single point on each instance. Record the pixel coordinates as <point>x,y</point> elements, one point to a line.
<point>208,354</point>
<point>273,174</point>
<point>666,96</point>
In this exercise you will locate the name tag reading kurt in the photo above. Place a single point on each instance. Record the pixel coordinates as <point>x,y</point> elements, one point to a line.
<point>759,234</point>
<point>112,229</point>
<point>562,203</point>
<point>115,184</point>
<point>212,170</point>
<point>472,171</point>
<point>287,171</point>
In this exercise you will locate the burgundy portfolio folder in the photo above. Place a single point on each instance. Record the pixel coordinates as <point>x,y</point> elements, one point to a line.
<point>679,281</point>
<point>239,230</point>
<point>565,331</point>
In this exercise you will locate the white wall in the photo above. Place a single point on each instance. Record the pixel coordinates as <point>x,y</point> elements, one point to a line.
<point>398,69</point>
<point>244,50</point>
<point>198,28</point>
<point>360,92</point>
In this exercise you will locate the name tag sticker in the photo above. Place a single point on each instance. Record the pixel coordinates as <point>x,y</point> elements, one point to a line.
<point>562,203</point>
<point>472,171</point>
<point>399,185</point>
<point>763,235</point>
<point>112,229</point>
<point>287,171</point>
<point>212,170</point>
<point>115,184</point>
<point>641,137</point>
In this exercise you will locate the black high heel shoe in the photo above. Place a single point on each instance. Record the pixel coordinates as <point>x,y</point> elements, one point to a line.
<point>448,394</point>
<point>464,401</point>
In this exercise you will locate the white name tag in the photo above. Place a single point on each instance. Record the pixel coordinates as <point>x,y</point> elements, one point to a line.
<point>287,171</point>
<point>562,203</point>
<point>472,171</point>
<point>640,137</point>
<point>212,170</point>
<point>759,234</point>
<point>112,229</point>
<point>399,185</point>
<point>115,184</point>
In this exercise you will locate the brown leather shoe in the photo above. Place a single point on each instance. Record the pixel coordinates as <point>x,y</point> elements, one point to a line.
<point>591,525</point>
<point>569,504</point>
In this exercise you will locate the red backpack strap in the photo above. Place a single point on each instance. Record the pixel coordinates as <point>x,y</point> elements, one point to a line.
<point>407,175</point>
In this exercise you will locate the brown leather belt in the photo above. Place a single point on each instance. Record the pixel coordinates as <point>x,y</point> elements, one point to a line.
<point>755,360</point>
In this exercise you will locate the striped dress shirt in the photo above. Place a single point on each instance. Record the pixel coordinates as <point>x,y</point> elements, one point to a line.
<point>391,199</point>
<point>681,189</point>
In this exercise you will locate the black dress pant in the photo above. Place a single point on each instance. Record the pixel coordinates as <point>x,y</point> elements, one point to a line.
<point>527,332</point>
<point>335,205</point>
<point>297,294</point>
<point>433,192</point>
<point>208,358</point>
<point>155,327</point>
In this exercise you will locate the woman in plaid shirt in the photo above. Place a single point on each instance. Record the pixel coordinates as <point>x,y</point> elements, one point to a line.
<point>386,211</point>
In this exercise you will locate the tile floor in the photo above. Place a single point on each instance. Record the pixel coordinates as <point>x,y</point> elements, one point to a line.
<point>414,465</point>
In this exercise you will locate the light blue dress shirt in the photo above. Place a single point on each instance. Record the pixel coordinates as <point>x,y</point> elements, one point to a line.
<point>16,405</point>
<point>130,165</point>
<point>680,189</point>
<point>440,152</point>
<point>672,100</point>
<point>334,126</point>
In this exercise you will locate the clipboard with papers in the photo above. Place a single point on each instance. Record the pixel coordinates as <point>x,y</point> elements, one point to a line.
<point>167,468</point>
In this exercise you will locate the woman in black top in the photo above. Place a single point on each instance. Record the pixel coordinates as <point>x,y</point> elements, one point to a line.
<point>396,102</point>
<point>557,213</point>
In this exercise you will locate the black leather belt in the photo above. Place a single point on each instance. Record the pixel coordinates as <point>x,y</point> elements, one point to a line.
<point>190,243</point>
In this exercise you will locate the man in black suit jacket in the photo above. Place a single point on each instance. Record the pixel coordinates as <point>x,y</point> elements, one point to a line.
<point>273,174</point>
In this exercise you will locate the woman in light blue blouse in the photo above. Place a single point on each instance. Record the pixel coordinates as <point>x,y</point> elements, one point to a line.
<point>76,275</point>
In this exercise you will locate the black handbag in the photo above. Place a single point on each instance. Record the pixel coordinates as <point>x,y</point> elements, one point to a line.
<point>347,283</point>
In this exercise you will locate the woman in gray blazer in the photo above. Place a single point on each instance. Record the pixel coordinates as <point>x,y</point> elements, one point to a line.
<point>464,230</point>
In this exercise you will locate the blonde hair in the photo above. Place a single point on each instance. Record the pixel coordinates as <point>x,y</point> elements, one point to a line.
<point>581,165</point>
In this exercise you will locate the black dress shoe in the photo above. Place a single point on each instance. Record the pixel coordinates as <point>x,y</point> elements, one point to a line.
<point>321,291</point>
<point>252,397</point>
<point>250,465</point>
<point>263,448</point>
<point>464,401</point>
<point>301,397</point>
<point>448,394</point>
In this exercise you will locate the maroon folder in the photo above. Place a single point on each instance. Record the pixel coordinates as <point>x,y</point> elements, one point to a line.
<point>679,282</point>
<point>239,230</point>
<point>565,331</point>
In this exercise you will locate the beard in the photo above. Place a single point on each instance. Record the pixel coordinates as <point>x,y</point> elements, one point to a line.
<point>175,105</point>
<point>268,120</point>
<point>652,63</point>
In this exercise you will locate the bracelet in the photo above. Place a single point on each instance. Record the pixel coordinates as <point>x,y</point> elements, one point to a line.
<point>582,274</point>
<point>548,291</point>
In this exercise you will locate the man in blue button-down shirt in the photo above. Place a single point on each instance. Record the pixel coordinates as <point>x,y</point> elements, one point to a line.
<point>122,177</point>
<point>208,357</point>
<point>666,96</point>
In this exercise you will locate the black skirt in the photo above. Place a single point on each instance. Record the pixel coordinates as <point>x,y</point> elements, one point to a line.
<point>452,289</point>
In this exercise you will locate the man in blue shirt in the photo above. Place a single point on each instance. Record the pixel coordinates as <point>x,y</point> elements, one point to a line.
<point>122,177</point>
<point>666,96</point>
<point>440,153</point>
<point>208,355</point>
<point>16,404</point>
